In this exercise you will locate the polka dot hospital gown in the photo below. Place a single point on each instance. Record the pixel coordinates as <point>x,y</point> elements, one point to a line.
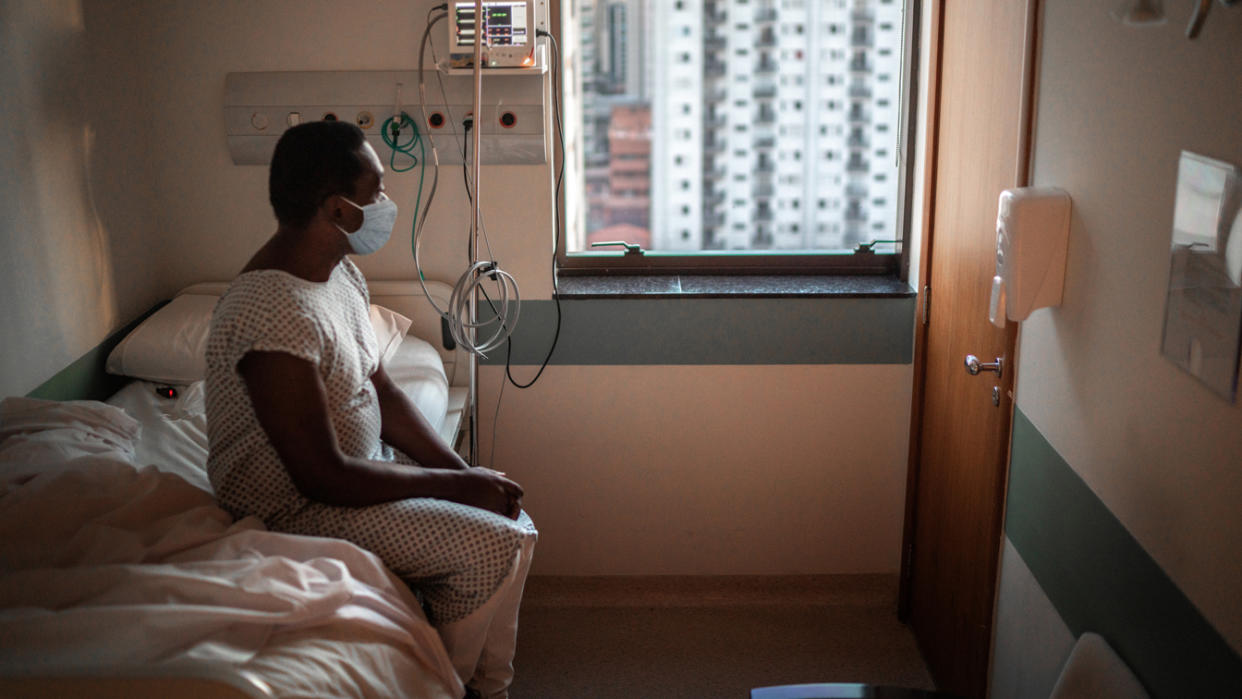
<point>454,555</point>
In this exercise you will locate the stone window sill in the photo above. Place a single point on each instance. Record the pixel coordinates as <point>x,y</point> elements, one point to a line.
<point>651,286</point>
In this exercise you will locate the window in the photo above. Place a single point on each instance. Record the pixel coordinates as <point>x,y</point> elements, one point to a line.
<point>816,120</point>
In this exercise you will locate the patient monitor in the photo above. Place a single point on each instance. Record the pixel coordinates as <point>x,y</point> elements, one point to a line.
<point>508,28</point>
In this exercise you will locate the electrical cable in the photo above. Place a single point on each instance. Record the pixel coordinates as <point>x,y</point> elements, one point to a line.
<point>560,136</point>
<point>452,123</point>
<point>556,218</point>
<point>500,396</point>
<point>463,323</point>
<point>502,317</point>
<point>465,157</point>
<point>557,229</point>
<point>416,237</point>
<point>560,175</point>
<point>463,328</point>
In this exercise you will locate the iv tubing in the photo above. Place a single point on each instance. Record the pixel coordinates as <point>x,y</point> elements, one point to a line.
<point>457,314</point>
<point>462,312</point>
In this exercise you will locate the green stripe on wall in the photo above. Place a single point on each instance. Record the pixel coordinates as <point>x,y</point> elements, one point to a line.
<point>716,331</point>
<point>643,331</point>
<point>1100,579</point>
<point>86,378</point>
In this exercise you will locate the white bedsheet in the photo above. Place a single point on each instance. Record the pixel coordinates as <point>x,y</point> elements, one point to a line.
<point>103,565</point>
<point>174,430</point>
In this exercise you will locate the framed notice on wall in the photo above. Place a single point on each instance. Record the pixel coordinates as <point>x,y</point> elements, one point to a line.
<point>1203,313</point>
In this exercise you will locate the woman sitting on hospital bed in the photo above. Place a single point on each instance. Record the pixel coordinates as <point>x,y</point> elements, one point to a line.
<point>307,431</point>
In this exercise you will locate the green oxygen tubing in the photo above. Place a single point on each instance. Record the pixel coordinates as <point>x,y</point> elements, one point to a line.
<point>391,132</point>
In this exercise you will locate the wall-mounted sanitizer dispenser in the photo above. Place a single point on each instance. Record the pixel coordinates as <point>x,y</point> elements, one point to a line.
<point>1032,232</point>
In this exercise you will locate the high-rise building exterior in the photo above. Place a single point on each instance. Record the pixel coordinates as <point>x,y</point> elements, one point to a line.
<point>613,69</point>
<point>677,111</point>
<point>773,123</point>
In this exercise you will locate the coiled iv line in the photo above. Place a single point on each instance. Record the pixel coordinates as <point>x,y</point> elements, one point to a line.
<point>459,306</point>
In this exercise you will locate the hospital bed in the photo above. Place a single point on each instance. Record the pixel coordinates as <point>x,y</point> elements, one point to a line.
<point>120,576</point>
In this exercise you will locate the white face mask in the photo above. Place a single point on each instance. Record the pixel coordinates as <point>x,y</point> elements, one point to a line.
<point>378,220</point>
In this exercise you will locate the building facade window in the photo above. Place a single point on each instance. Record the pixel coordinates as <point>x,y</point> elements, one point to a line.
<point>772,129</point>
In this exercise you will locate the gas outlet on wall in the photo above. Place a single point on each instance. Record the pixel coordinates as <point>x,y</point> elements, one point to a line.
<point>259,106</point>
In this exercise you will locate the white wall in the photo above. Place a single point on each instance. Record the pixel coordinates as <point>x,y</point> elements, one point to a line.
<point>1031,640</point>
<point>78,250</point>
<point>218,212</point>
<point>646,470</point>
<point>711,510</point>
<point>1116,106</point>
<point>629,470</point>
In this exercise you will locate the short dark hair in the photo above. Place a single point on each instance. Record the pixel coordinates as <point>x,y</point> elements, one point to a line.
<point>312,162</point>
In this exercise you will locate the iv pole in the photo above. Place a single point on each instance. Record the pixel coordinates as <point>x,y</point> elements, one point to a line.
<point>475,226</point>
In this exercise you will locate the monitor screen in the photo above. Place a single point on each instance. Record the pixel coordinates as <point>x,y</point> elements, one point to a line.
<point>504,23</point>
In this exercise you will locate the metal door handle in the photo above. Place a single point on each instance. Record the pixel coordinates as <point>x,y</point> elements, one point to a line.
<point>974,366</point>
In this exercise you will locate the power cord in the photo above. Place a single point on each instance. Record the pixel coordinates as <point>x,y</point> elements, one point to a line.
<point>556,221</point>
<point>463,329</point>
<point>419,223</point>
<point>457,314</point>
<point>558,210</point>
<point>504,318</point>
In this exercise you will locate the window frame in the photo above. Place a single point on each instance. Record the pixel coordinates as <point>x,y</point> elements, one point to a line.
<point>856,262</point>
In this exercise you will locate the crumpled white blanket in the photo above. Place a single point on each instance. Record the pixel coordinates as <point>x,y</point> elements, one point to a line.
<point>105,565</point>
<point>42,435</point>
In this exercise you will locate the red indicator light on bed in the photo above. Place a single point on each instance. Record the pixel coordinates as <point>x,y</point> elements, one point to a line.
<point>165,391</point>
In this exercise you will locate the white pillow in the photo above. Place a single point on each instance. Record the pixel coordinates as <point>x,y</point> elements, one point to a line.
<point>390,329</point>
<point>171,346</point>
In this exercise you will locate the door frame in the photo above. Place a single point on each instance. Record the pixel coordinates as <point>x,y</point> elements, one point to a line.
<point>923,309</point>
<point>930,125</point>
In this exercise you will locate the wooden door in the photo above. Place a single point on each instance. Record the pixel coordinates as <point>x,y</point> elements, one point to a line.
<point>960,439</point>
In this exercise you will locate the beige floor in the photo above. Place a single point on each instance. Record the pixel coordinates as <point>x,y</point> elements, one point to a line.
<point>672,637</point>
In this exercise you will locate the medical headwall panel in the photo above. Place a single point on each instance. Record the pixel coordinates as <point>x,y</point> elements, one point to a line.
<point>259,107</point>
